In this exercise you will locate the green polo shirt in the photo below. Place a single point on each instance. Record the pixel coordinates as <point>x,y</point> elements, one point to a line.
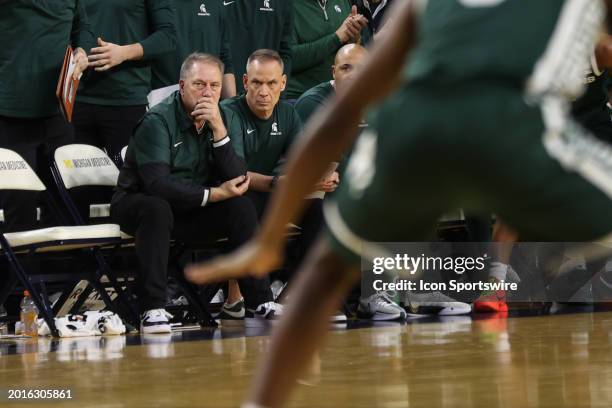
<point>122,22</point>
<point>200,26</point>
<point>316,43</point>
<point>256,24</point>
<point>263,144</point>
<point>34,36</point>
<point>166,138</point>
<point>313,99</point>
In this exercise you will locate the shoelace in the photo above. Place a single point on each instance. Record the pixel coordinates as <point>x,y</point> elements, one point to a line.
<point>383,298</point>
<point>159,313</point>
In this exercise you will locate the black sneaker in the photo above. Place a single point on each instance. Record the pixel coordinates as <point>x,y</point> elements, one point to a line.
<point>263,314</point>
<point>155,321</point>
<point>232,313</point>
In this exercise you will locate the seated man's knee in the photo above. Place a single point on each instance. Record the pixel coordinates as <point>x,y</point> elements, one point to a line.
<point>158,211</point>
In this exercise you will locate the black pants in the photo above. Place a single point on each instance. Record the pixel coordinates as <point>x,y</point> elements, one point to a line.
<point>35,140</point>
<point>107,127</point>
<point>310,225</point>
<point>152,222</point>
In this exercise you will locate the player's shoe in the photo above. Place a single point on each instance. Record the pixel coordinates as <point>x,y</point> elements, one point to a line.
<point>263,314</point>
<point>435,303</point>
<point>338,317</point>
<point>491,301</point>
<point>232,314</point>
<point>155,321</point>
<point>380,307</point>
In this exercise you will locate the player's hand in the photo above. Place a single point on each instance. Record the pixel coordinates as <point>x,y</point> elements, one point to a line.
<point>253,259</point>
<point>231,188</point>
<point>107,55</point>
<point>329,184</point>
<point>81,63</point>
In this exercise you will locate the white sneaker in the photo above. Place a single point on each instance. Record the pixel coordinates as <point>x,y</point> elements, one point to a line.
<point>155,321</point>
<point>338,317</point>
<point>264,314</point>
<point>277,288</point>
<point>380,307</point>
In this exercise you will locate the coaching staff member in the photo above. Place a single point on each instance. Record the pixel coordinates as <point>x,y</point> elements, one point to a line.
<point>35,35</point>
<point>182,178</point>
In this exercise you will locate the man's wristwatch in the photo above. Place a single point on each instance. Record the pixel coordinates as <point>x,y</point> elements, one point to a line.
<point>273,182</point>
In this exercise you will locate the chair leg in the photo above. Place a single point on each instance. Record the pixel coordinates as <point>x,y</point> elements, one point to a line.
<point>47,313</point>
<point>104,269</point>
<point>205,319</point>
<point>7,287</point>
<point>200,309</point>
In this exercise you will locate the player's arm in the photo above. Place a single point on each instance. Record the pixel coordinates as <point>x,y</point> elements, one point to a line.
<point>313,152</point>
<point>603,53</point>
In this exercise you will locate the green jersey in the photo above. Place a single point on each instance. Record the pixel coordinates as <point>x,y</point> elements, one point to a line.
<point>257,24</point>
<point>313,99</point>
<point>591,109</point>
<point>35,35</point>
<point>263,144</point>
<point>496,40</point>
<point>200,26</point>
<point>148,22</point>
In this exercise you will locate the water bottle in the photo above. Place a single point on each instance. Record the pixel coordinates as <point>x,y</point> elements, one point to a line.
<point>28,315</point>
<point>3,322</point>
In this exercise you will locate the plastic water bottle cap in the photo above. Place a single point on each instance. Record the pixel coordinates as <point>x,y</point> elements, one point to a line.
<point>26,293</point>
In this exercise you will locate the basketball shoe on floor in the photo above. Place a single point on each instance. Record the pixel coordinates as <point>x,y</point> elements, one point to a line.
<point>263,314</point>
<point>491,301</point>
<point>232,313</point>
<point>338,317</point>
<point>155,321</point>
<point>435,303</point>
<point>380,307</point>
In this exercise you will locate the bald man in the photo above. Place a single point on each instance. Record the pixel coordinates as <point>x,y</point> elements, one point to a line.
<point>349,60</point>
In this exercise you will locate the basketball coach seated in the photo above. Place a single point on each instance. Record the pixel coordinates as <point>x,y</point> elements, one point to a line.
<point>182,179</point>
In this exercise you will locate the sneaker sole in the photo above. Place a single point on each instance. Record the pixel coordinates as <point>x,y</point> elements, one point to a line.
<point>157,329</point>
<point>231,322</point>
<point>490,307</point>
<point>455,311</point>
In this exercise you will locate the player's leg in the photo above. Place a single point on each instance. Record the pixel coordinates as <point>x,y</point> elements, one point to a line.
<point>320,286</point>
<point>374,189</point>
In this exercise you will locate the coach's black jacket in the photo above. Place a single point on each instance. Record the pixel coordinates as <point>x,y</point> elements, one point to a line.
<point>168,158</point>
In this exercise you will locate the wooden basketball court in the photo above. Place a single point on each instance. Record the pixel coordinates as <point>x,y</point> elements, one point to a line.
<point>469,362</point>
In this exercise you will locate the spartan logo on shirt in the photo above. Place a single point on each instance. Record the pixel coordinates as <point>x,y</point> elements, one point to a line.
<point>203,11</point>
<point>266,6</point>
<point>338,9</point>
<point>275,131</point>
<point>361,167</point>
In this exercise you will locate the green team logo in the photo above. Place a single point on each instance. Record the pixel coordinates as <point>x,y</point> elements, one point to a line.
<point>361,169</point>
